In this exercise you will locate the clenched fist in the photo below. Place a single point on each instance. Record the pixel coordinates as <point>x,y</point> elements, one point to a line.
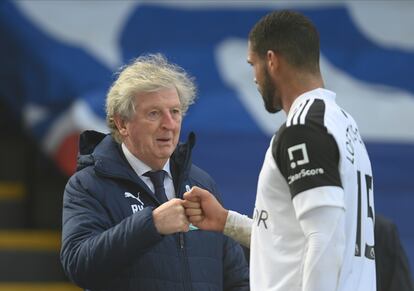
<point>203,210</point>
<point>170,217</point>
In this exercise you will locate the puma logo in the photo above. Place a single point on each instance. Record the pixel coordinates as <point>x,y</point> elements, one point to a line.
<point>129,195</point>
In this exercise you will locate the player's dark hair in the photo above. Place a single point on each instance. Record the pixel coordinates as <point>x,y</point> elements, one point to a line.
<point>290,34</point>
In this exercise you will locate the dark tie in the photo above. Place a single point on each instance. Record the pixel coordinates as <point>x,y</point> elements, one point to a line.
<point>157,179</point>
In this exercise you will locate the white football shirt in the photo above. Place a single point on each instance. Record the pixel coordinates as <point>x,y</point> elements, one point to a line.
<point>318,148</point>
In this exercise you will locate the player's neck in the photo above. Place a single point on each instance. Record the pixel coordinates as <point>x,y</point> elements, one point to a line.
<point>298,85</point>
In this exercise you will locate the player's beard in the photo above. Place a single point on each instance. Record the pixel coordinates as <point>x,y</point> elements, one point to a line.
<point>269,94</point>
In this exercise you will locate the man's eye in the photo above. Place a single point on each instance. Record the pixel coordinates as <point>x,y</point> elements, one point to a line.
<point>153,115</point>
<point>176,111</point>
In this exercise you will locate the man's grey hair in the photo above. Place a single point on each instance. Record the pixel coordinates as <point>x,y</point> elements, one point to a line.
<point>147,73</point>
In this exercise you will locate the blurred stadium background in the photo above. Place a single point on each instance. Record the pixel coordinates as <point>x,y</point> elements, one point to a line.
<point>57,60</point>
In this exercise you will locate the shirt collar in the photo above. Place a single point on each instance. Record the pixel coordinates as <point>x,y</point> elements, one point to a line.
<point>318,93</point>
<point>139,166</point>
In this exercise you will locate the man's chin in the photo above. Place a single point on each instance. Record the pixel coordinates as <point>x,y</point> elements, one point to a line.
<point>165,152</point>
<point>273,109</point>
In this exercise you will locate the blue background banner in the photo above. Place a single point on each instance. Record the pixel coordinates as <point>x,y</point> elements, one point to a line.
<point>58,59</point>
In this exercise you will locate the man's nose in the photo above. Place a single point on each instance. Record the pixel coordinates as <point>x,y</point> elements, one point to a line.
<point>168,121</point>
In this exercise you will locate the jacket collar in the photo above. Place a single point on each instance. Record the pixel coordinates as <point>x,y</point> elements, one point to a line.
<point>103,153</point>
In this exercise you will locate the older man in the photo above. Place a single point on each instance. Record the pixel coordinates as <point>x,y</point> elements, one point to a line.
<point>124,225</point>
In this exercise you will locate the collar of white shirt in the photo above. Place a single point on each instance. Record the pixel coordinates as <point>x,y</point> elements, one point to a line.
<point>139,166</point>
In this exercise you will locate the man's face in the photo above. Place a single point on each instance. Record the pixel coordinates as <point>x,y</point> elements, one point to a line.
<point>263,80</point>
<point>153,131</point>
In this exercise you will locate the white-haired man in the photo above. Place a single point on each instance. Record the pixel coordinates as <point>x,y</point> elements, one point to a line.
<point>112,240</point>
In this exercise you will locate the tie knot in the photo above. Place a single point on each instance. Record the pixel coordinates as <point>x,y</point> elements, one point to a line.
<point>157,177</point>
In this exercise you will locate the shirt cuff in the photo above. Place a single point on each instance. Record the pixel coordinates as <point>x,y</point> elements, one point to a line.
<point>238,227</point>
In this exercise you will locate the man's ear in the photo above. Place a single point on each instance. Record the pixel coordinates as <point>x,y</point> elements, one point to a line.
<point>120,124</point>
<point>272,60</point>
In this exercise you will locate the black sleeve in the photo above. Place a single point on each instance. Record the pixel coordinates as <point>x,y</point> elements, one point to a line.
<point>307,157</point>
<point>393,270</point>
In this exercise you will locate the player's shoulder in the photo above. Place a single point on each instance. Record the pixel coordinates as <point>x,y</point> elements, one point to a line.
<point>323,115</point>
<point>308,112</point>
<point>306,118</point>
<point>309,122</point>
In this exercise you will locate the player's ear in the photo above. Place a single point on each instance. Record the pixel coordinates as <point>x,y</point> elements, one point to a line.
<point>272,60</point>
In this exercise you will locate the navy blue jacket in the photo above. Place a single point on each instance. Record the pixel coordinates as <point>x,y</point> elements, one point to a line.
<point>109,241</point>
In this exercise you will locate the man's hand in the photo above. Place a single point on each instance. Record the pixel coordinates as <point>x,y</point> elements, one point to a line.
<point>170,217</point>
<point>203,210</point>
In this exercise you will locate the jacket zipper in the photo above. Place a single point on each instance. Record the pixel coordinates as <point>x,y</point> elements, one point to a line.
<point>186,269</point>
<point>181,241</point>
<point>184,262</point>
<point>186,277</point>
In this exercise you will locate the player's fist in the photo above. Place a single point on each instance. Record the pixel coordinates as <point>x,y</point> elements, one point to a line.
<point>203,210</point>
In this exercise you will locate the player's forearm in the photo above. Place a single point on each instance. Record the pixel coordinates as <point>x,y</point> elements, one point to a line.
<point>322,265</point>
<point>238,227</point>
<point>324,231</point>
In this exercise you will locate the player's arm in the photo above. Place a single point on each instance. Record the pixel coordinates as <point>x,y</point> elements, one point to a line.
<point>238,227</point>
<point>204,211</point>
<point>308,157</point>
<point>324,230</point>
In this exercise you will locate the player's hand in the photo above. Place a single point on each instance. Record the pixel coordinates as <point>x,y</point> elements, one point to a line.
<point>203,210</point>
<point>193,211</point>
<point>170,217</point>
